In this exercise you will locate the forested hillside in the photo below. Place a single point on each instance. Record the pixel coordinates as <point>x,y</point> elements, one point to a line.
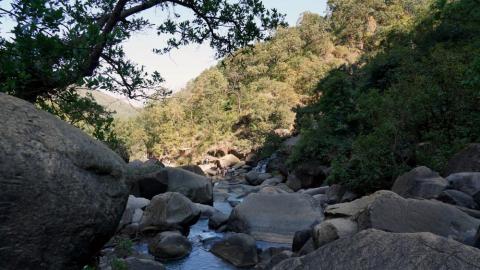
<point>240,102</point>
<point>375,87</point>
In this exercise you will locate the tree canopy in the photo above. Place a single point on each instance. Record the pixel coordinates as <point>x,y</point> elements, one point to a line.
<point>59,43</point>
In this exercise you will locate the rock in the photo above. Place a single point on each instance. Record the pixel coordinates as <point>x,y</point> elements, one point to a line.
<point>196,187</point>
<point>239,249</point>
<point>272,256</point>
<point>62,193</point>
<point>468,183</point>
<point>420,182</point>
<point>348,196</point>
<point>378,250</point>
<point>459,198</point>
<point>143,264</point>
<point>310,174</point>
<point>278,163</point>
<point>209,169</point>
<point>276,259</point>
<point>316,191</point>
<point>193,168</point>
<point>206,210</point>
<point>308,247</point>
<point>218,219</point>
<point>169,211</point>
<point>333,229</point>
<point>273,181</point>
<point>275,217</point>
<point>239,165</point>
<point>388,211</point>
<point>300,238</point>
<point>252,177</point>
<point>228,161</point>
<point>322,199</point>
<point>334,193</point>
<point>136,203</point>
<point>256,178</point>
<point>272,190</point>
<point>137,215</point>
<point>467,160</point>
<point>170,245</point>
<point>294,182</point>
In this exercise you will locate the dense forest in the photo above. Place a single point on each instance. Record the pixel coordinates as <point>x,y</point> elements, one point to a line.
<point>374,88</point>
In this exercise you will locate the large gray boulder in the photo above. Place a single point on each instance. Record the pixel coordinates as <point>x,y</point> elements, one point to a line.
<point>196,187</point>
<point>275,217</point>
<point>420,182</point>
<point>467,160</point>
<point>62,193</point>
<point>388,211</point>
<point>378,250</point>
<point>239,249</point>
<point>170,211</point>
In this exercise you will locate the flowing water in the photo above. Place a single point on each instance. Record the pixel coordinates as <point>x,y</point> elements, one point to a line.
<point>202,239</point>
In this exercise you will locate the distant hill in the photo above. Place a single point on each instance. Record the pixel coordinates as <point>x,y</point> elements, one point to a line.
<point>121,107</point>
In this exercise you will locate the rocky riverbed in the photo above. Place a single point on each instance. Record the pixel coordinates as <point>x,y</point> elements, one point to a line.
<point>68,202</point>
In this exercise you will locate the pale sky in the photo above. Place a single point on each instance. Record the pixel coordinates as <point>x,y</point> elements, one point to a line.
<point>184,64</point>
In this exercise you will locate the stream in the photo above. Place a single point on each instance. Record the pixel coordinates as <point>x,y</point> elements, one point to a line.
<point>202,237</point>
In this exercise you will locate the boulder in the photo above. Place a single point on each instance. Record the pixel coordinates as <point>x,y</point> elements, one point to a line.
<point>169,211</point>
<point>272,256</point>
<point>278,164</point>
<point>217,220</point>
<point>196,187</point>
<point>294,182</point>
<point>377,250</point>
<point>290,143</point>
<point>170,245</point>
<point>333,229</point>
<point>252,177</point>
<point>193,168</point>
<point>334,193</point>
<point>468,183</point>
<point>349,196</point>
<point>206,210</point>
<point>467,160</point>
<point>388,211</point>
<point>275,217</point>
<point>273,181</point>
<point>300,238</point>
<point>239,249</point>
<point>228,161</point>
<point>420,182</point>
<point>62,193</point>
<point>316,191</point>
<point>459,198</point>
<point>310,174</point>
<point>143,264</point>
<point>133,211</point>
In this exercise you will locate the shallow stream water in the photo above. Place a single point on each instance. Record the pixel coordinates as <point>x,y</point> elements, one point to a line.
<point>202,238</point>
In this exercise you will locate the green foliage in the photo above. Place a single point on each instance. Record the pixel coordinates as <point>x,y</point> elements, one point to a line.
<point>412,100</point>
<point>240,102</point>
<point>59,43</point>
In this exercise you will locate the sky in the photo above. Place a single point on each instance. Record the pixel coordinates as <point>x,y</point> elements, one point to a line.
<point>184,64</point>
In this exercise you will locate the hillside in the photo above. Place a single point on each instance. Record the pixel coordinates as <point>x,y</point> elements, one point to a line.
<point>121,107</point>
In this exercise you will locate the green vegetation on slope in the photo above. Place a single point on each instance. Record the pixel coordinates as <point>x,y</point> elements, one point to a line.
<point>240,102</point>
<point>412,100</point>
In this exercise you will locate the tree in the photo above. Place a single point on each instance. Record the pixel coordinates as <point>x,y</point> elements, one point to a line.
<point>59,43</point>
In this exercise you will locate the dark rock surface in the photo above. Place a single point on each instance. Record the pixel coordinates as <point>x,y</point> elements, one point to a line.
<point>62,193</point>
<point>378,250</point>
<point>420,182</point>
<point>239,249</point>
